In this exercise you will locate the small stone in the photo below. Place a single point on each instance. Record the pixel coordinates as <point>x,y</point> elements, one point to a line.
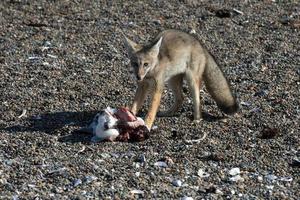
<point>211,189</point>
<point>161,164</point>
<point>51,56</point>
<point>177,183</point>
<point>217,157</point>
<point>269,133</point>
<point>238,11</point>
<point>105,155</point>
<point>193,31</point>
<point>295,163</point>
<point>57,171</point>
<point>137,165</point>
<point>141,158</point>
<point>201,173</point>
<point>261,93</point>
<point>236,178</point>
<point>3,181</point>
<point>23,114</point>
<point>271,177</point>
<point>89,179</point>
<point>286,179</point>
<point>77,182</point>
<point>15,197</point>
<point>168,160</point>
<point>260,178</point>
<point>244,103</point>
<point>157,22</point>
<point>187,198</point>
<point>270,187</point>
<point>137,191</point>
<point>33,58</point>
<point>218,191</point>
<point>45,64</point>
<point>223,13</point>
<point>174,133</point>
<point>234,171</point>
<point>137,174</point>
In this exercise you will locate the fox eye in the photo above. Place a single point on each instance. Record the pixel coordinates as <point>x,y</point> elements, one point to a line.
<point>146,64</point>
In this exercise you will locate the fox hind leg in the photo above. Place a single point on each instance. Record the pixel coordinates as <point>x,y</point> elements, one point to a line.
<point>175,84</point>
<point>194,84</point>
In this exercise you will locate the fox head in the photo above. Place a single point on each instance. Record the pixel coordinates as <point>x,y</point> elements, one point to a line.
<point>143,59</point>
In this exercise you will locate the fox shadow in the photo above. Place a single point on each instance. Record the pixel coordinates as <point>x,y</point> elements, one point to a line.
<point>66,125</point>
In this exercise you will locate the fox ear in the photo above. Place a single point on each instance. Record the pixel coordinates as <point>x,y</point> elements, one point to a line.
<point>131,46</point>
<point>155,49</point>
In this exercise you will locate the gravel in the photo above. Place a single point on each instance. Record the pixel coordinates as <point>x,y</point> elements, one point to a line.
<point>62,61</point>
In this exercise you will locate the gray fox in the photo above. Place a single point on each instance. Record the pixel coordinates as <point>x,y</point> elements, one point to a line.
<point>172,57</point>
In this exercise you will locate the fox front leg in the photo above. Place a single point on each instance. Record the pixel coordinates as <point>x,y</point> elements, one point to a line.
<point>140,96</point>
<point>175,84</point>
<point>155,102</point>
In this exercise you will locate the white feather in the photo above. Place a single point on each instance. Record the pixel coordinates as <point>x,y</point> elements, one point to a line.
<point>106,118</point>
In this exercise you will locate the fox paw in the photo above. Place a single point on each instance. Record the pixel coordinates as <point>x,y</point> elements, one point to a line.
<point>197,121</point>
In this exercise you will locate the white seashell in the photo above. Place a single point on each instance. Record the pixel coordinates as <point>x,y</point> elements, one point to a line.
<point>187,198</point>
<point>161,164</point>
<point>234,171</point>
<point>137,192</point>
<point>202,173</point>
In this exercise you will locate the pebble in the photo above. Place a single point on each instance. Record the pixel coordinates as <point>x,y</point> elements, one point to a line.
<point>137,174</point>
<point>270,187</point>
<point>202,173</point>
<point>77,182</point>
<point>23,114</point>
<point>15,197</point>
<point>142,158</point>
<point>58,171</point>
<point>244,103</point>
<point>89,179</point>
<point>271,177</point>
<point>234,171</point>
<point>192,31</point>
<point>187,198</point>
<point>161,164</point>
<point>286,179</point>
<point>295,163</point>
<point>177,183</point>
<point>236,178</point>
<point>135,191</point>
<point>218,191</point>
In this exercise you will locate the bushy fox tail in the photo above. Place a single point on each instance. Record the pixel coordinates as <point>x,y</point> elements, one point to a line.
<point>218,87</point>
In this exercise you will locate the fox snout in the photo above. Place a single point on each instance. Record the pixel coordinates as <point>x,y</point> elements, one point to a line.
<point>139,78</point>
<point>140,74</point>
